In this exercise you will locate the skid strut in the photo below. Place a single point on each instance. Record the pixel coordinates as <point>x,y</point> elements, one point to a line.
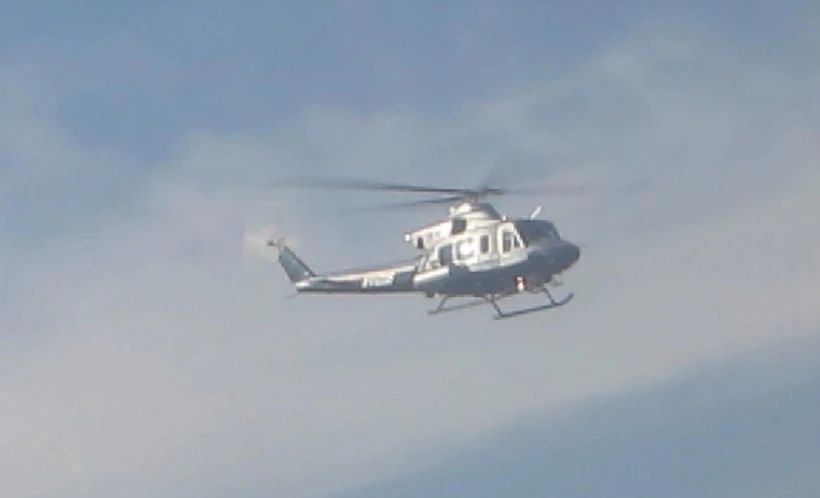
<point>440,305</point>
<point>547,292</point>
<point>492,300</point>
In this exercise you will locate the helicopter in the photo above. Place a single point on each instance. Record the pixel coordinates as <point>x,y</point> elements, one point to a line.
<point>475,252</point>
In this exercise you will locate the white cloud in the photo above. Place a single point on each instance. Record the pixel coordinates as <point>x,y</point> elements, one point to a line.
<point>165,364</point>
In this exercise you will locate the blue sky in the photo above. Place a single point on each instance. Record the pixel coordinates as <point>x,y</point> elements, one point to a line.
<point>173,66</point>
<point>138,80</point>
<point>137,144</point>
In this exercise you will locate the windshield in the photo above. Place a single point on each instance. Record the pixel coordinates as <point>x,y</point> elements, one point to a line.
<point>532,231</point>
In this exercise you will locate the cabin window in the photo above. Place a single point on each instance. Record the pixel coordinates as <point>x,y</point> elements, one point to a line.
<point>445,254</point>
<point>459,225</point>
<point>465,248</point>
<point>419,243</point>
<point>485,244</point>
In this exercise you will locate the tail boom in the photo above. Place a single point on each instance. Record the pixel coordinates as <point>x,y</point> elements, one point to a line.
<point>385,279</point>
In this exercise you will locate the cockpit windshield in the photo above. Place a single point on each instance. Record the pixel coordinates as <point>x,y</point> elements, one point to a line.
<point>532,231</point>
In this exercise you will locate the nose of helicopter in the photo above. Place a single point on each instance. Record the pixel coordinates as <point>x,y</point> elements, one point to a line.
<point>565,254</point>
<point>573,253</point>
<point>558,257</point>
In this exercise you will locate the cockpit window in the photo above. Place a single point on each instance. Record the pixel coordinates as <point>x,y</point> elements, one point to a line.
<point>532,231</point>
<point>507,240</point>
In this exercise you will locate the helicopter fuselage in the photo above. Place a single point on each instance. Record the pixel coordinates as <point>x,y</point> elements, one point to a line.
<point>475,251</point>
<point>501,258</point>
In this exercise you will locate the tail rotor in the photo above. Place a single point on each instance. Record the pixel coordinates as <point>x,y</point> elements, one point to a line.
<point>257,242</point>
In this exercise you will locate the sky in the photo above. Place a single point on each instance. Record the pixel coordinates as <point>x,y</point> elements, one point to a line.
<point>698,436</point>
<point>148,345</point>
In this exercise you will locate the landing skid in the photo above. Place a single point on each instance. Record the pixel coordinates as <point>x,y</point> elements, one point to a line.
<point>552,304</point>
<point>493,300</point>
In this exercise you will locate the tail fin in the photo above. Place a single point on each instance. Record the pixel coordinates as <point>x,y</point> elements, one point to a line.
<point>294,267</point>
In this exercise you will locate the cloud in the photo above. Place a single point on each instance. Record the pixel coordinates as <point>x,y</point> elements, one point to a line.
<point>745,428</point>
<point>146,354</point>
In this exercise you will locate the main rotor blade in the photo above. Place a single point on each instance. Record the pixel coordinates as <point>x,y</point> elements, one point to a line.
<point>454,194</point>
<point>405,205</point>
<point>525,168</point>
<point>354,184</point>
<point>550,190</point>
